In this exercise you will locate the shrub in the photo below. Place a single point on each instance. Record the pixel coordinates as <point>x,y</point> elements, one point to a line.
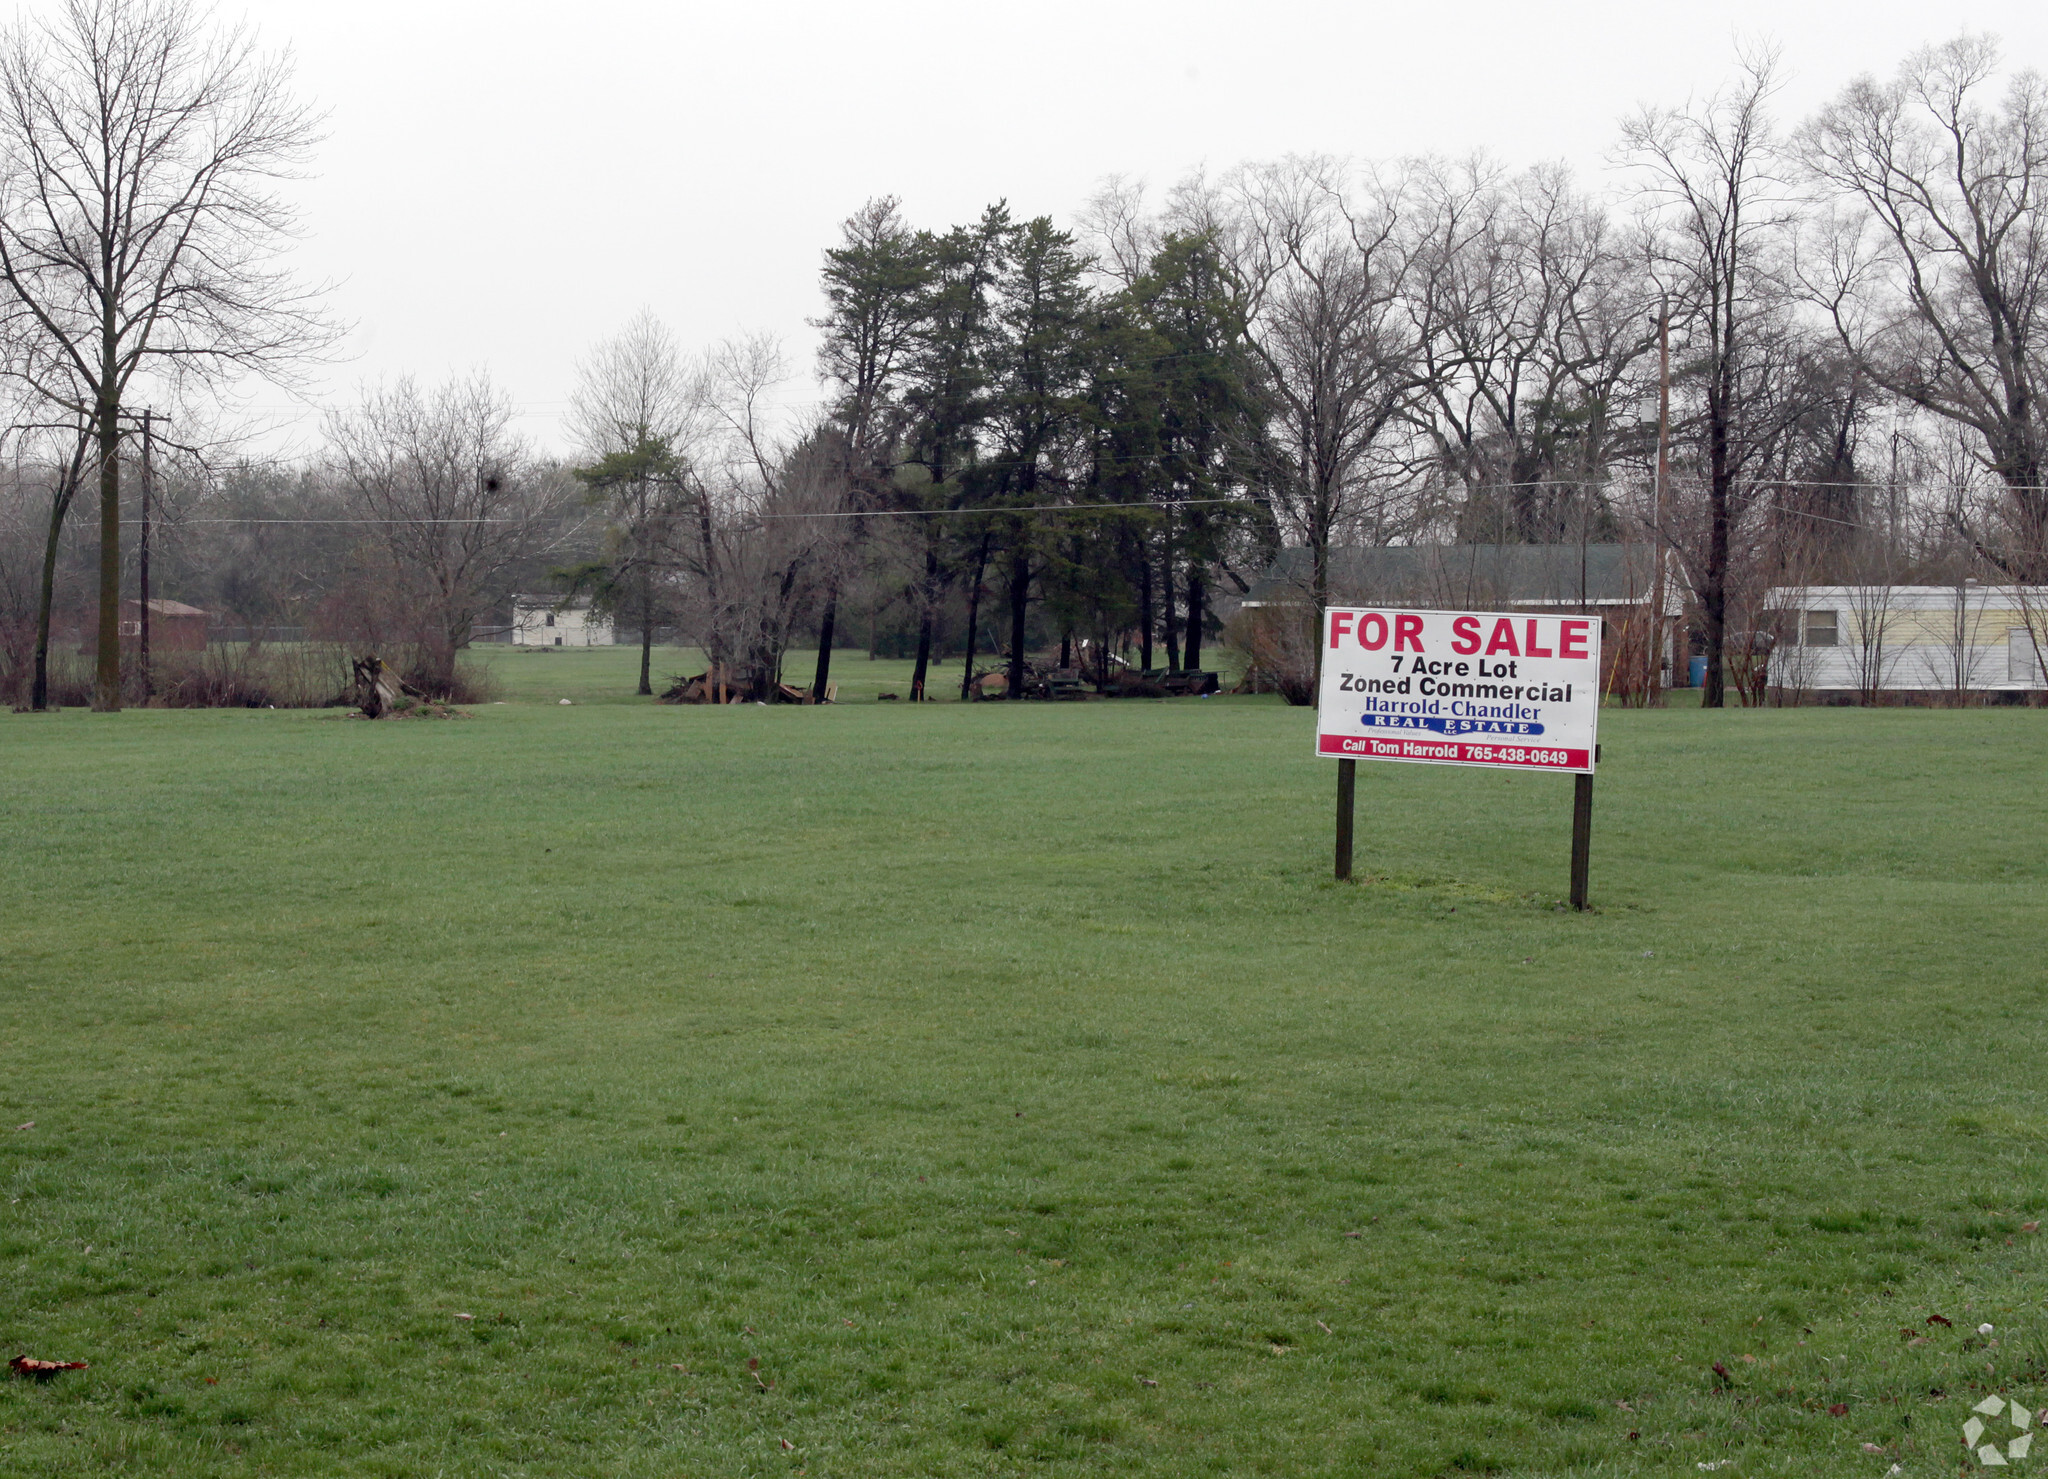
<point>1279,646</point>
<point>71,679</point>
<point>233,676</point>
<point>474,683</point>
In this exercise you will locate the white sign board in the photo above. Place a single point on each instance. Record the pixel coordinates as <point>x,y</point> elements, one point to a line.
<point>1501,689</point>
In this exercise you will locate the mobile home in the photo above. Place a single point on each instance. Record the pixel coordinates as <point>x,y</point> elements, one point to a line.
<point>1871,641</point>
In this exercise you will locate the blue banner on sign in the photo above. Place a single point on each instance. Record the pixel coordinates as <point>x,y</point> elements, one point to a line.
<point>1448,726</point>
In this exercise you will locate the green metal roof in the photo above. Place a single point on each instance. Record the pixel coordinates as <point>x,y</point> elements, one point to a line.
<point>1465,576</point>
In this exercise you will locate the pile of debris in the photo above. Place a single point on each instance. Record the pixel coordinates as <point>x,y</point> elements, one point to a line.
<point>715,685</point>
<point>1073,684</point>
<point>1168,683</point>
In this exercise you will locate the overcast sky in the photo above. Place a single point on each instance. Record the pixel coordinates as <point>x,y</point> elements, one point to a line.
<point>504,183</point>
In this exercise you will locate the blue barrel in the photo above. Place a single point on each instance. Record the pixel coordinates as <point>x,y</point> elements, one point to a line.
<point>1696,673</point>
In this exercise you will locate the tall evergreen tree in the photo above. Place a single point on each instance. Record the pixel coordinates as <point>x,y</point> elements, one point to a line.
<point>1042,335</point>
<point>877,285</point>
<point>944,399</point>
<point>1208,409</point>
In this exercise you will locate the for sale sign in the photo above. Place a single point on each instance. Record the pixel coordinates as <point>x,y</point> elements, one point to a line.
<point>1502,689</point>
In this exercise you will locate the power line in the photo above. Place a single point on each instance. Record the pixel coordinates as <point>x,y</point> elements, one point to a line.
<point>992,511</point>
<point>1136,506</point>
<point>996,512</point>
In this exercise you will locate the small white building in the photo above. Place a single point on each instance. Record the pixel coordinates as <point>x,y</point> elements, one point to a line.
<point>1869,640</point>
<point>550,621</point>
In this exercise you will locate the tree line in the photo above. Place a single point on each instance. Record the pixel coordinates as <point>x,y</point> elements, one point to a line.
<point>1777,351</point>
<point>1782,354</point>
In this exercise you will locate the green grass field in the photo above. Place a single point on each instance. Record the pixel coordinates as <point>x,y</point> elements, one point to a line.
<point>617,1089</point>
<point>608,675</point>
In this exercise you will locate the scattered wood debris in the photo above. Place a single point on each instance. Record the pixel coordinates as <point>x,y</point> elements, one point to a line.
<point>29,1366</point>
<point>718,686</point>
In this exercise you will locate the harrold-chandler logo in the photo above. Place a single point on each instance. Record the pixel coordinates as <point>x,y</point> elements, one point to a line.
<point>1989,1418</point>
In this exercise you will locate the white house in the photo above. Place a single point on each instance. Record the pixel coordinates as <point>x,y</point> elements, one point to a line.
<point>549,621</point>
<point>1966,638</point>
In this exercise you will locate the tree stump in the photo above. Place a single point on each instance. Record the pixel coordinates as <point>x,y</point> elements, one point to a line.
<point>379,689</point>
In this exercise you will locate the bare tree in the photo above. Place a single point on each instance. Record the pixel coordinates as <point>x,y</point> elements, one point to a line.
<point>774,545</point>
<point>638,412</point>
<point>741,376</point>
<point>52,454</point>
<point>140,154</point>
<point>35,494</point>
<point>262,543</point>
<point>455,504</point>
<point>1872,651</point>
<point>767,541</point>
<point>1714,184</point>
<point>68,453</point>
<point>21,528</point>
<point>1937,278</point>
<point>1116,231</point>
<point>1324,266</point>
<point>1537,314</point>
<point>1955,657</point>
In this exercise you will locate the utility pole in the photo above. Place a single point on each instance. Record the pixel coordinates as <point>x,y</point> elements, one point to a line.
<point>142,555</point>
<point>1892,506</point>
<point>1651,689</point>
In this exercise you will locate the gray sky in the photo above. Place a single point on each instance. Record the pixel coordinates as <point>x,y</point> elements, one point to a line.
<point>504,183</point>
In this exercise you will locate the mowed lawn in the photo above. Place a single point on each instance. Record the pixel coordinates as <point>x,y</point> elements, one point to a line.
<point>616,1089</point>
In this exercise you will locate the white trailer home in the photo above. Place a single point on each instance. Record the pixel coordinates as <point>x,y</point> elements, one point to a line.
<point>1847,641</point>
<point>549,621</point>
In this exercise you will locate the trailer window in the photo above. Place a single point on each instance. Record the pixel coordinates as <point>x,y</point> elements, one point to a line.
<point>1822,629</point>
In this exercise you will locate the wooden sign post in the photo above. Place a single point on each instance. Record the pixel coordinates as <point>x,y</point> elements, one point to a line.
<point>1347,789</point>
<point>1582,833</point>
